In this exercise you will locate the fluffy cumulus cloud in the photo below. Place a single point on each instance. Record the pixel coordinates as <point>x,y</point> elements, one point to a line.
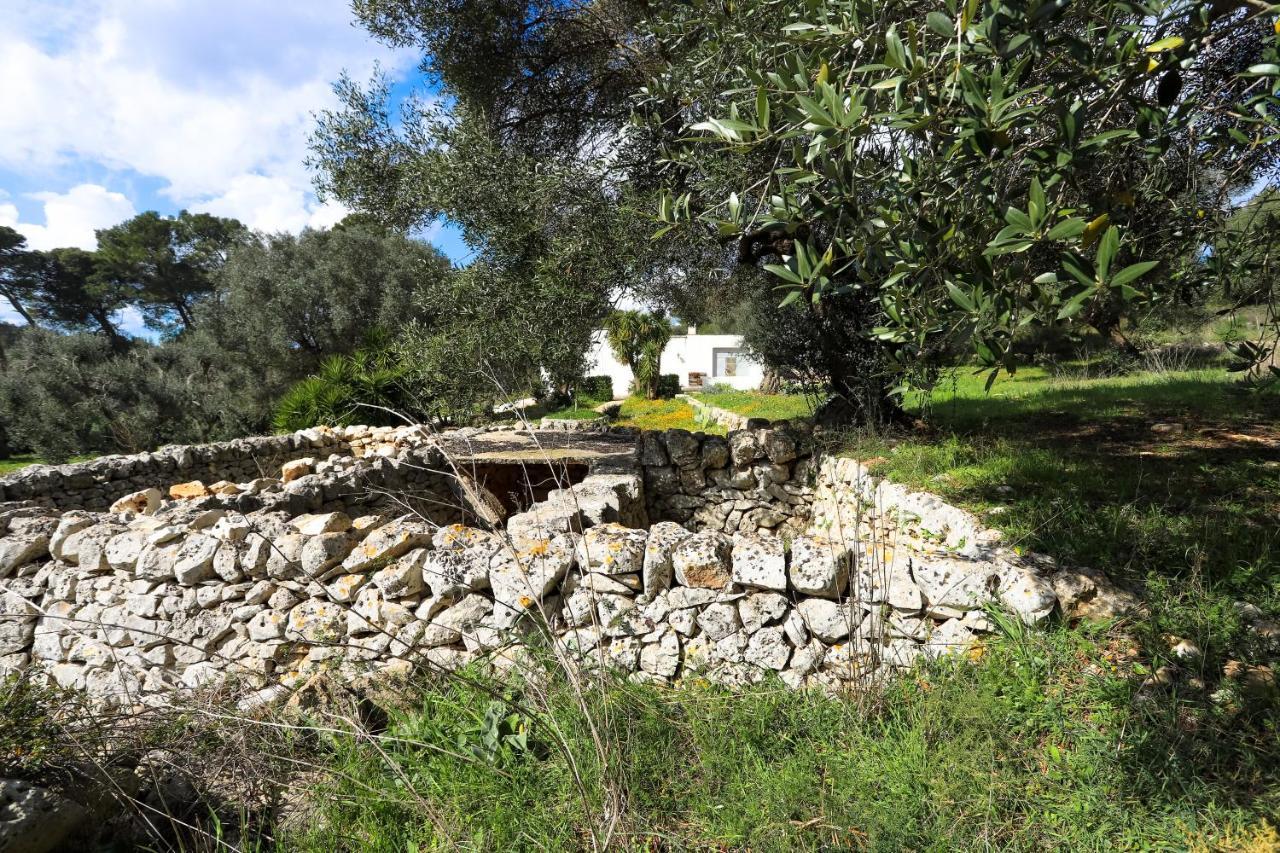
<point>215,100</point>
<point>70,218</point>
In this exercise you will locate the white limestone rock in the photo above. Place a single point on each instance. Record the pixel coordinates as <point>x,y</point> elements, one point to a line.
<point>948,638</point>
<point>1030,597</point>
<point>953,585</point>
<point>661,657</point>
<point>719,620</point>
<point>760,609</point>
<point>829,621</point>
<point>315,622</point>
<point>611,549</point>
<point>663,538</point>
<point>315,524</point>
<point>768,648</point>
<point>386,543</point>
<point>759,561</point>
<point>145,502</point>
<point>820,566</point>
<point>195,559</point>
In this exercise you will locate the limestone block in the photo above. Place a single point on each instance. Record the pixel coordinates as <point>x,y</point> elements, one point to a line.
<point>188,491</point>
<point>455,573</point>
<point>952,584</point>
<point>315,622</point>
<point>67,525</point>
<point>760,609</point>
<point>760,562</point>
<point>768,648</point>
<point>386,543</point>
<point>329,522</point>
<point>683,448</point>
<point>145,502</point>
<point>719,620</point>
<point>323,552</point>
<point>820,566</point>
<point>194,562</point>
<point>124,549</point>
<point>948,638</point>
<point>745,447</point>
<point>1089,594</point>
<point>16,551</point>
<point>661,656</point>
<point>881,582</point>
<point>702,560</point>
<point>663,538</point>
<point>1029,596</point>
<point>829,621</point>
<point>611,549</point>
<point>291,471</point>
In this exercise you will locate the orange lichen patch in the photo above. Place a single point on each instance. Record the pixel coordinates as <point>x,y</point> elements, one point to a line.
<point>526,601</point>
<point>707,577</point>
<point>188,491</point>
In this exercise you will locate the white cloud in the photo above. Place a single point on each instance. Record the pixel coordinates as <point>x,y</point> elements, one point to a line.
<point>272,204</point>
<point>215,99</point>
<point>70,218</point>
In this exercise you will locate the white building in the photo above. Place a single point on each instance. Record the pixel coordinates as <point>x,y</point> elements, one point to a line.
<point>698,360</point>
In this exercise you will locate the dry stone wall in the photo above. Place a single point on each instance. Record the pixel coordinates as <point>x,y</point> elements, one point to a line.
<point>757,480</point>
<point>857,579</point>
<point>97,483</point>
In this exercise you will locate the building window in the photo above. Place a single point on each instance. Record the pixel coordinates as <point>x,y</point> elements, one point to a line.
<point>726,361</point>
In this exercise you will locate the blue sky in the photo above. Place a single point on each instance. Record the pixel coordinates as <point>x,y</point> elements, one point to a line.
<point>112,107</point>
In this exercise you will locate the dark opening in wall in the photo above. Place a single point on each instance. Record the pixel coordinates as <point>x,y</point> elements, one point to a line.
<point>519,485</point>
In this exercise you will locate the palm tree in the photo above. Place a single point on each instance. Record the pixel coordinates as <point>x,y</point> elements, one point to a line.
<point>637,339</point>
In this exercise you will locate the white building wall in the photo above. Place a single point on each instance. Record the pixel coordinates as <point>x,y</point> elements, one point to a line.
<point>711,355</point>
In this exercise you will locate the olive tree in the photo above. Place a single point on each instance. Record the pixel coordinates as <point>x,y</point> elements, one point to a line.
<point>955,172</point>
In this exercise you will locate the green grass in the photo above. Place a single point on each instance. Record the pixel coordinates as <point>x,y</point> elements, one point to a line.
<point>1037,744</point>
<point>17,463</point>
<point>753,404</point>
<point>1072,468</point>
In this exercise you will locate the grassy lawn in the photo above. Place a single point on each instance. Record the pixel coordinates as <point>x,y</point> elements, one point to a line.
<point>753,404</point>
<point>1034,743</point>
<point>17,463</point>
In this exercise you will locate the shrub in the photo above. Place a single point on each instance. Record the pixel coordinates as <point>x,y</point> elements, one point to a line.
<point>364,387</point>
<point>596,388</point>
<point>668,385</point>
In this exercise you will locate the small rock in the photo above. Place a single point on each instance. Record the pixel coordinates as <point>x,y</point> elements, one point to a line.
<point>145,502</point>
<point>188,491</point>
<point>291,471</point>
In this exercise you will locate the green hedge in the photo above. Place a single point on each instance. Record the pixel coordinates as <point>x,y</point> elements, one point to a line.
<point>668,385</point>
<point>596,388</point>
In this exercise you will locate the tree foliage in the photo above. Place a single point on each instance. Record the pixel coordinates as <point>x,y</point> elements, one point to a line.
<point>167,264</point>
<point>275,310</point>
<point>637,339</point>
<point>962,172</point>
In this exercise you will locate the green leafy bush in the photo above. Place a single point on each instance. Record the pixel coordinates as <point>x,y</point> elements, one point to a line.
<point>367,387</point>
<point>668,385</point>
<point>596,388</point>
